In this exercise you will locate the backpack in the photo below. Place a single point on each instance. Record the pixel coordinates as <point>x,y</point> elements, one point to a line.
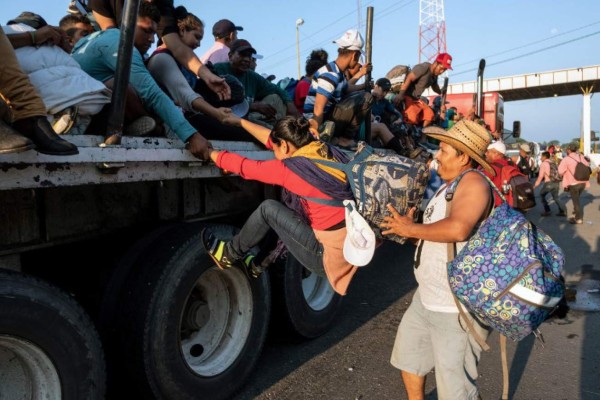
<point>378,178</point>
<point>524,165</point>
<point>516,187</point>
<point>289,85</point>
<point>554,175</point>
<point>582,171</point>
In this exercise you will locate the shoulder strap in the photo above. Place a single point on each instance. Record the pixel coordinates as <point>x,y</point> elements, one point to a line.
<point>454,184</point>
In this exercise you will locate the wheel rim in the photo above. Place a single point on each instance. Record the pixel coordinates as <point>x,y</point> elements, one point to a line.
<point>28,369</point>
<point>317,291</point>
<point>216,321</point>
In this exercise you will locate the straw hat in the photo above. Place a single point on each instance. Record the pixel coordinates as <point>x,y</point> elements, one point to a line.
<point>466,136</point>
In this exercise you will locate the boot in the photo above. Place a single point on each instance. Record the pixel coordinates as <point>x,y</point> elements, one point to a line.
<point>46,141</point>
<point>11,141</point>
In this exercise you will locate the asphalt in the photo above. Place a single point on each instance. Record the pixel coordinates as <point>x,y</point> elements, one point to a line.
<point>352,360</point>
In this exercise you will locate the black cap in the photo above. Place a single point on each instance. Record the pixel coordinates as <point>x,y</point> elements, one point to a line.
<point>28,18</point>
<point>384,83</point>
<point>224,27</point>
<point>240,45</point>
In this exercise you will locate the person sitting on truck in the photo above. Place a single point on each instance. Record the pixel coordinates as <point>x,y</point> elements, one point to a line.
<point>108,14</point>
<point>314,61</point>
<point>313,233</point>
<point>268,102</point>
<point>184,87</point>
<point>421,77</point>
<point>383,110</point>
<point>225,33</point>
<point>23,125</point>
<point>97,55</point>
<point>75,26</point>
<point>331,96</point>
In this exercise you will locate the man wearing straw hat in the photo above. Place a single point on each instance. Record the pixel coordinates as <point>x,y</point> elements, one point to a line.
<point>431,334</point>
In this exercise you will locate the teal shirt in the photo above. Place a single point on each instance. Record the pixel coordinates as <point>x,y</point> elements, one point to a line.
<point>97,55</point>
<point>255,86</point>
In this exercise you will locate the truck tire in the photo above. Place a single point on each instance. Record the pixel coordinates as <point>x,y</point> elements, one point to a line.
<point>49,348</point>
<point>186,329</point>
<point>304,302</point>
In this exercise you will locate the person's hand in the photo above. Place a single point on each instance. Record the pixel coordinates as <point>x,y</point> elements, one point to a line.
<point>398,100</point>
<point>363,70</point>
<point>215,83</point>
<point>398,224</point>
<point>313,127</point>
<point>221,114</point>
<point>265,109</point>
<point>48,35</point>
<point>232,120</point>
<point>199,146</point>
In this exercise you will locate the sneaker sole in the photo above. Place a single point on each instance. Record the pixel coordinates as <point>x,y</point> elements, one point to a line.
<point>216,262</point>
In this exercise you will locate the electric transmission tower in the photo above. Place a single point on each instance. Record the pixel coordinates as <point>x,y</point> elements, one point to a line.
<point>432,29</point>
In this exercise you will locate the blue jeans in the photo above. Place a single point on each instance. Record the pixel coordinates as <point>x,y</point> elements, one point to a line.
<point>298,236</point>
<point>552,188</point>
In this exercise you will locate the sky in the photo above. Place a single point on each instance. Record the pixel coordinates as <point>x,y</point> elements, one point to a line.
<point>514,36</point>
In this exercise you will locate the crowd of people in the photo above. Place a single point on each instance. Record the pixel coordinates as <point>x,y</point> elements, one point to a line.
<point>220,96</point>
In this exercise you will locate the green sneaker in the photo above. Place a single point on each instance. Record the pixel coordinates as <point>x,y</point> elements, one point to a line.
<point>216,249</point>
<point>250,266</point>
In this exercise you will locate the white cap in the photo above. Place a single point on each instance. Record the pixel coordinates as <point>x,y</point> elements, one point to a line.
<point>359,244</point>
<point>351,40</point>
<point>525,147</point>
<point>241,109</point>
<point>499,146</point>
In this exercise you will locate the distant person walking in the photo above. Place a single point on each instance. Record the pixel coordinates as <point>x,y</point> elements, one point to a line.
<point>575,188</point>
<point>550,179</point>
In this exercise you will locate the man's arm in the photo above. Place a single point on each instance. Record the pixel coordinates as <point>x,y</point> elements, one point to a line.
<point>470,202</point>
<point>399,99</point>
<point>319,108</point>
<point>45,35</point>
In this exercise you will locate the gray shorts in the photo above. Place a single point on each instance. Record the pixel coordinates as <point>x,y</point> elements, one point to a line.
<point>428,339</point>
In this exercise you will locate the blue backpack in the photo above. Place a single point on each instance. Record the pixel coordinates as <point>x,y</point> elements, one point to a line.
<point>509,273</point>
<point>289,85</point>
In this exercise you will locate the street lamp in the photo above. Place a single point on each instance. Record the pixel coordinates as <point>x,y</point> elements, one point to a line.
<point>299,22</point>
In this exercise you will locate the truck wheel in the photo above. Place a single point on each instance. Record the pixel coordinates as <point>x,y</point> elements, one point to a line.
<point>49,348</point>
<point>187,329</point>
<point>303,301</point>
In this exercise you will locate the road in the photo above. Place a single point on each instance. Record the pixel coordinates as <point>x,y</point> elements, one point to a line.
<point>352,360</point>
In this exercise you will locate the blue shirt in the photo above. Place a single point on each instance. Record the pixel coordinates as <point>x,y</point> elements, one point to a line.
<point>97,55</point>
<point>383,105</point>
<point>328,81</point>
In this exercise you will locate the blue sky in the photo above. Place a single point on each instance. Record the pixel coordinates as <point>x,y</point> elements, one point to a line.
<point>474,29</point>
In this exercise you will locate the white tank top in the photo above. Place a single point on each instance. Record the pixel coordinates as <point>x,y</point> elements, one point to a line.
<point>432,273</point>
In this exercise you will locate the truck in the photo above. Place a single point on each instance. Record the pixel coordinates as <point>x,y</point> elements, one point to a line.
<point>105,288</point>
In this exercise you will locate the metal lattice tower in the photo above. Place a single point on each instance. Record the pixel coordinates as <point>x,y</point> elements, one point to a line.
<point>432,29</point>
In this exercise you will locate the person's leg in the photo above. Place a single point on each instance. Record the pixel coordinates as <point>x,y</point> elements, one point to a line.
<point>562,210</point>
<point>298,236</point>
<point>412,352</point>
<point>348,115</point>
<point>543,193</point>
<point>576,191</point>
<point>428,115</point>
<point>274,101</point>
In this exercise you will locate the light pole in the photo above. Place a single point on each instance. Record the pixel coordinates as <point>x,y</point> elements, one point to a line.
<point>299,22</point>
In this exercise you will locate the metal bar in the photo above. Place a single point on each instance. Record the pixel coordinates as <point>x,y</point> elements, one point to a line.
<point>369,54</point>
<point>479,98</point>
<point>116,115</point>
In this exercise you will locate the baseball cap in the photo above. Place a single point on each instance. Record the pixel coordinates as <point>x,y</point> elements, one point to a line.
<point>525,147</point>
<point>269,77</point>
<point>351,40</point>
<point>240,45</point>
<point>30,19</point>
<point>384,83</point>
<point>258,56</point>
<point>238,103</point>
<point>499,146</point>
<point>359,245</point>
<point>224,27</point>
<point>445,59</point>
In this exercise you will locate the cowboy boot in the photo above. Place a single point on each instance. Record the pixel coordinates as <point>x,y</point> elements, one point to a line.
<point>11,141</point>
<point>46,141</point>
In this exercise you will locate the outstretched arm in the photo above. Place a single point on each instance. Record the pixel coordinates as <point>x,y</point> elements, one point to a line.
<point>258,131</point>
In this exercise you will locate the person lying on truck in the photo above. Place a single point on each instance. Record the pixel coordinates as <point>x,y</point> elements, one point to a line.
<point>313,233</point>
<point>108,14</point>
<point>421,77</point>
<point>268,102</point>
<point>184,87</point>
<point>75,26</point>
<point>70,95</point>
<point>330,97</point>
<point>23,124</point>
<point>97,55</point>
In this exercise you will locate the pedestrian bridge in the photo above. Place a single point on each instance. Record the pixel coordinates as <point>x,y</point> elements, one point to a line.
<point>566,82</point>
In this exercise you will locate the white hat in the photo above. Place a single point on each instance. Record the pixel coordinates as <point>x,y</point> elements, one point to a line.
<point>499,146</point>
<point>351,40</point>
<point>359,244</point>
<point>257,56</point>
<point>525,147</point>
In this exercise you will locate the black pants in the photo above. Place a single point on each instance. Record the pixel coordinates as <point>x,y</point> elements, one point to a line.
<point>552,189</point>
<point>350,113</point>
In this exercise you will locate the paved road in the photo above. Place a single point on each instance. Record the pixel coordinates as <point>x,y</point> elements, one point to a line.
<point>352,360</point>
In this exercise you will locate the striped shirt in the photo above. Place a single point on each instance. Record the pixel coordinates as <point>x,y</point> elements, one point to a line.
<point>328,81</point>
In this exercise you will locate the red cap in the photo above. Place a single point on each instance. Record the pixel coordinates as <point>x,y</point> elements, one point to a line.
<point>445,59</point>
